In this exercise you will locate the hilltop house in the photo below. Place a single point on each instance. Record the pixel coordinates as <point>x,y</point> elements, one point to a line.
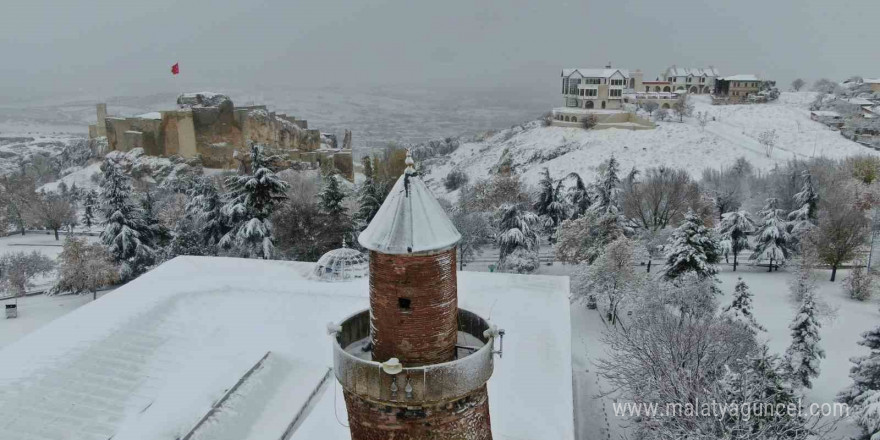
<point>738,88</point>
<point>691,80</point>
<point>590,88</point>
<point>874,83</point>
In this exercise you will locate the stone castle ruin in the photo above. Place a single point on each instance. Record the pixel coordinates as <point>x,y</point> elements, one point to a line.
<point>208,126</point>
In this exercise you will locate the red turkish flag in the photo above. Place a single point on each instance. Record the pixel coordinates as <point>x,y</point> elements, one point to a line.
<point>175,69</point>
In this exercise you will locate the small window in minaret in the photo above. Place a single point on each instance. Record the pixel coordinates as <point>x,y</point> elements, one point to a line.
<point>405,304</point>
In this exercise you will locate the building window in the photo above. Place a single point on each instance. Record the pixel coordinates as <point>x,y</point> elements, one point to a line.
<point>616,93</point>
<point>592,92</point>
<point>405,304</point>
<point>571,102</point>
<point>618,82</point>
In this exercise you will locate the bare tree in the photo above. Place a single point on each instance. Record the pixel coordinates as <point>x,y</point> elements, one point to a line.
<point>842,228</point>
<point>683,107</point>
<point>85,268</point>
<point>53,212</point>
<point>825,85</point>
<point>768,139</point>
<point>473,226</point>
<point>612,277</point>
<point>703,119</point>
<point>798,84</point>
<point>661,114</point>
<point>725,187</point>
<point>17,194</point>
<point>660,198</point>
<point>650,106</point>
<point>18,269</point>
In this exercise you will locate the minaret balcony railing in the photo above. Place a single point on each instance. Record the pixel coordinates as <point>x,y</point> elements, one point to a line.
<point>392,382</point>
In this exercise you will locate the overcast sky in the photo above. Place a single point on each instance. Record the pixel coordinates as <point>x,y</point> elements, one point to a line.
<point>105,48</point>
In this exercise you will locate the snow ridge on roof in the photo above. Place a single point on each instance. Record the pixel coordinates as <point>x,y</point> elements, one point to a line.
<point>410,220</point>
<point>695,71</point>
<point>741,77</point>
<point>595,73</point>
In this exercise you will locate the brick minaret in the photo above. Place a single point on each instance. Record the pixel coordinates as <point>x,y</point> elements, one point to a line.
<point>416,374</point>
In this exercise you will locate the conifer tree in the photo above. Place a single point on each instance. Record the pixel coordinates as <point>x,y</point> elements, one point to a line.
<point>806,215</point>
<point>89,205</point>
<point>251,200</point>
<point>735,227</point>
<point>608,189</point>
<point>517,240</point>
<point>370,198</point>
<point>127,236</point>
<point>579,197</point>
<point>773,241</point>
<point>550,205</point>
<point>740,310</point>
<point>693,248</point>
<point>204,209</point>
<point>802,356</point>
<point>863,395</point>
<point>331,197</point>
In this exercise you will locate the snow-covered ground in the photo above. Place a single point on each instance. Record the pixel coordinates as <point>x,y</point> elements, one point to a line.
<point>37,311</point>
<point>42,242</point>
<point>733,134</point>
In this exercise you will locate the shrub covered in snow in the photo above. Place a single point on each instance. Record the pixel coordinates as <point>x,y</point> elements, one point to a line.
<point>859,283</point>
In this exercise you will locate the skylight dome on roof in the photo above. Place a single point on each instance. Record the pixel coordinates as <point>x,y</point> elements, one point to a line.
<point>343,264</point>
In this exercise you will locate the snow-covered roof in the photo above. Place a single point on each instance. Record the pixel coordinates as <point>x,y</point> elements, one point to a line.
<point>741,77</point>
<point>410,220</point>
<point>860,101</point>
<point>148,360</point>
<point>694,71</point>
<point>595,73</point>
<point>872,80</point>
<point>826,113</point>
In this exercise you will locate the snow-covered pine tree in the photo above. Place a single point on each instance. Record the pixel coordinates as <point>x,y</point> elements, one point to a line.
<point>760,383</point>
<point>740,310</point>
<point>370,198</point>
<point>693,248</point>
<point>331,196</point>
<point>773,240</point>
<point>160,233</point>
<point>863,396</point>
<point>608,189</point>
<point>550,206</point>
<point>735,228</point>
<point>128,238</point>
<point>517,239</point>
<point>204,208</point>
<point>579,197</point>
<point>806,215</point>
<point>89,205</point>
<point>251,200</point>
<point>802,356</point>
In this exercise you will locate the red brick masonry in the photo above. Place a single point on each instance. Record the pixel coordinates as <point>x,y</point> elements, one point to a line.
<point>414,307</point>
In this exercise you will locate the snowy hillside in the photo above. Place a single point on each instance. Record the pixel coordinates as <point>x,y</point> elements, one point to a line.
<point>733,134</point>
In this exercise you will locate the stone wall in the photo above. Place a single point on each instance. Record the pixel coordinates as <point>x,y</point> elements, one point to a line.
<point>210,127</point>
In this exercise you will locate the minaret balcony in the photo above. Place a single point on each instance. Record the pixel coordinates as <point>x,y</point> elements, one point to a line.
<point>393,382</point>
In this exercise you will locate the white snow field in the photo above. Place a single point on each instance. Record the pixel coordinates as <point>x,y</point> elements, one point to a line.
<point>148,360</point>
<point>732,134</point>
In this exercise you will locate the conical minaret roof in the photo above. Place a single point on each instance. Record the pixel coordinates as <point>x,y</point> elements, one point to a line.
<point>410,220</point>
